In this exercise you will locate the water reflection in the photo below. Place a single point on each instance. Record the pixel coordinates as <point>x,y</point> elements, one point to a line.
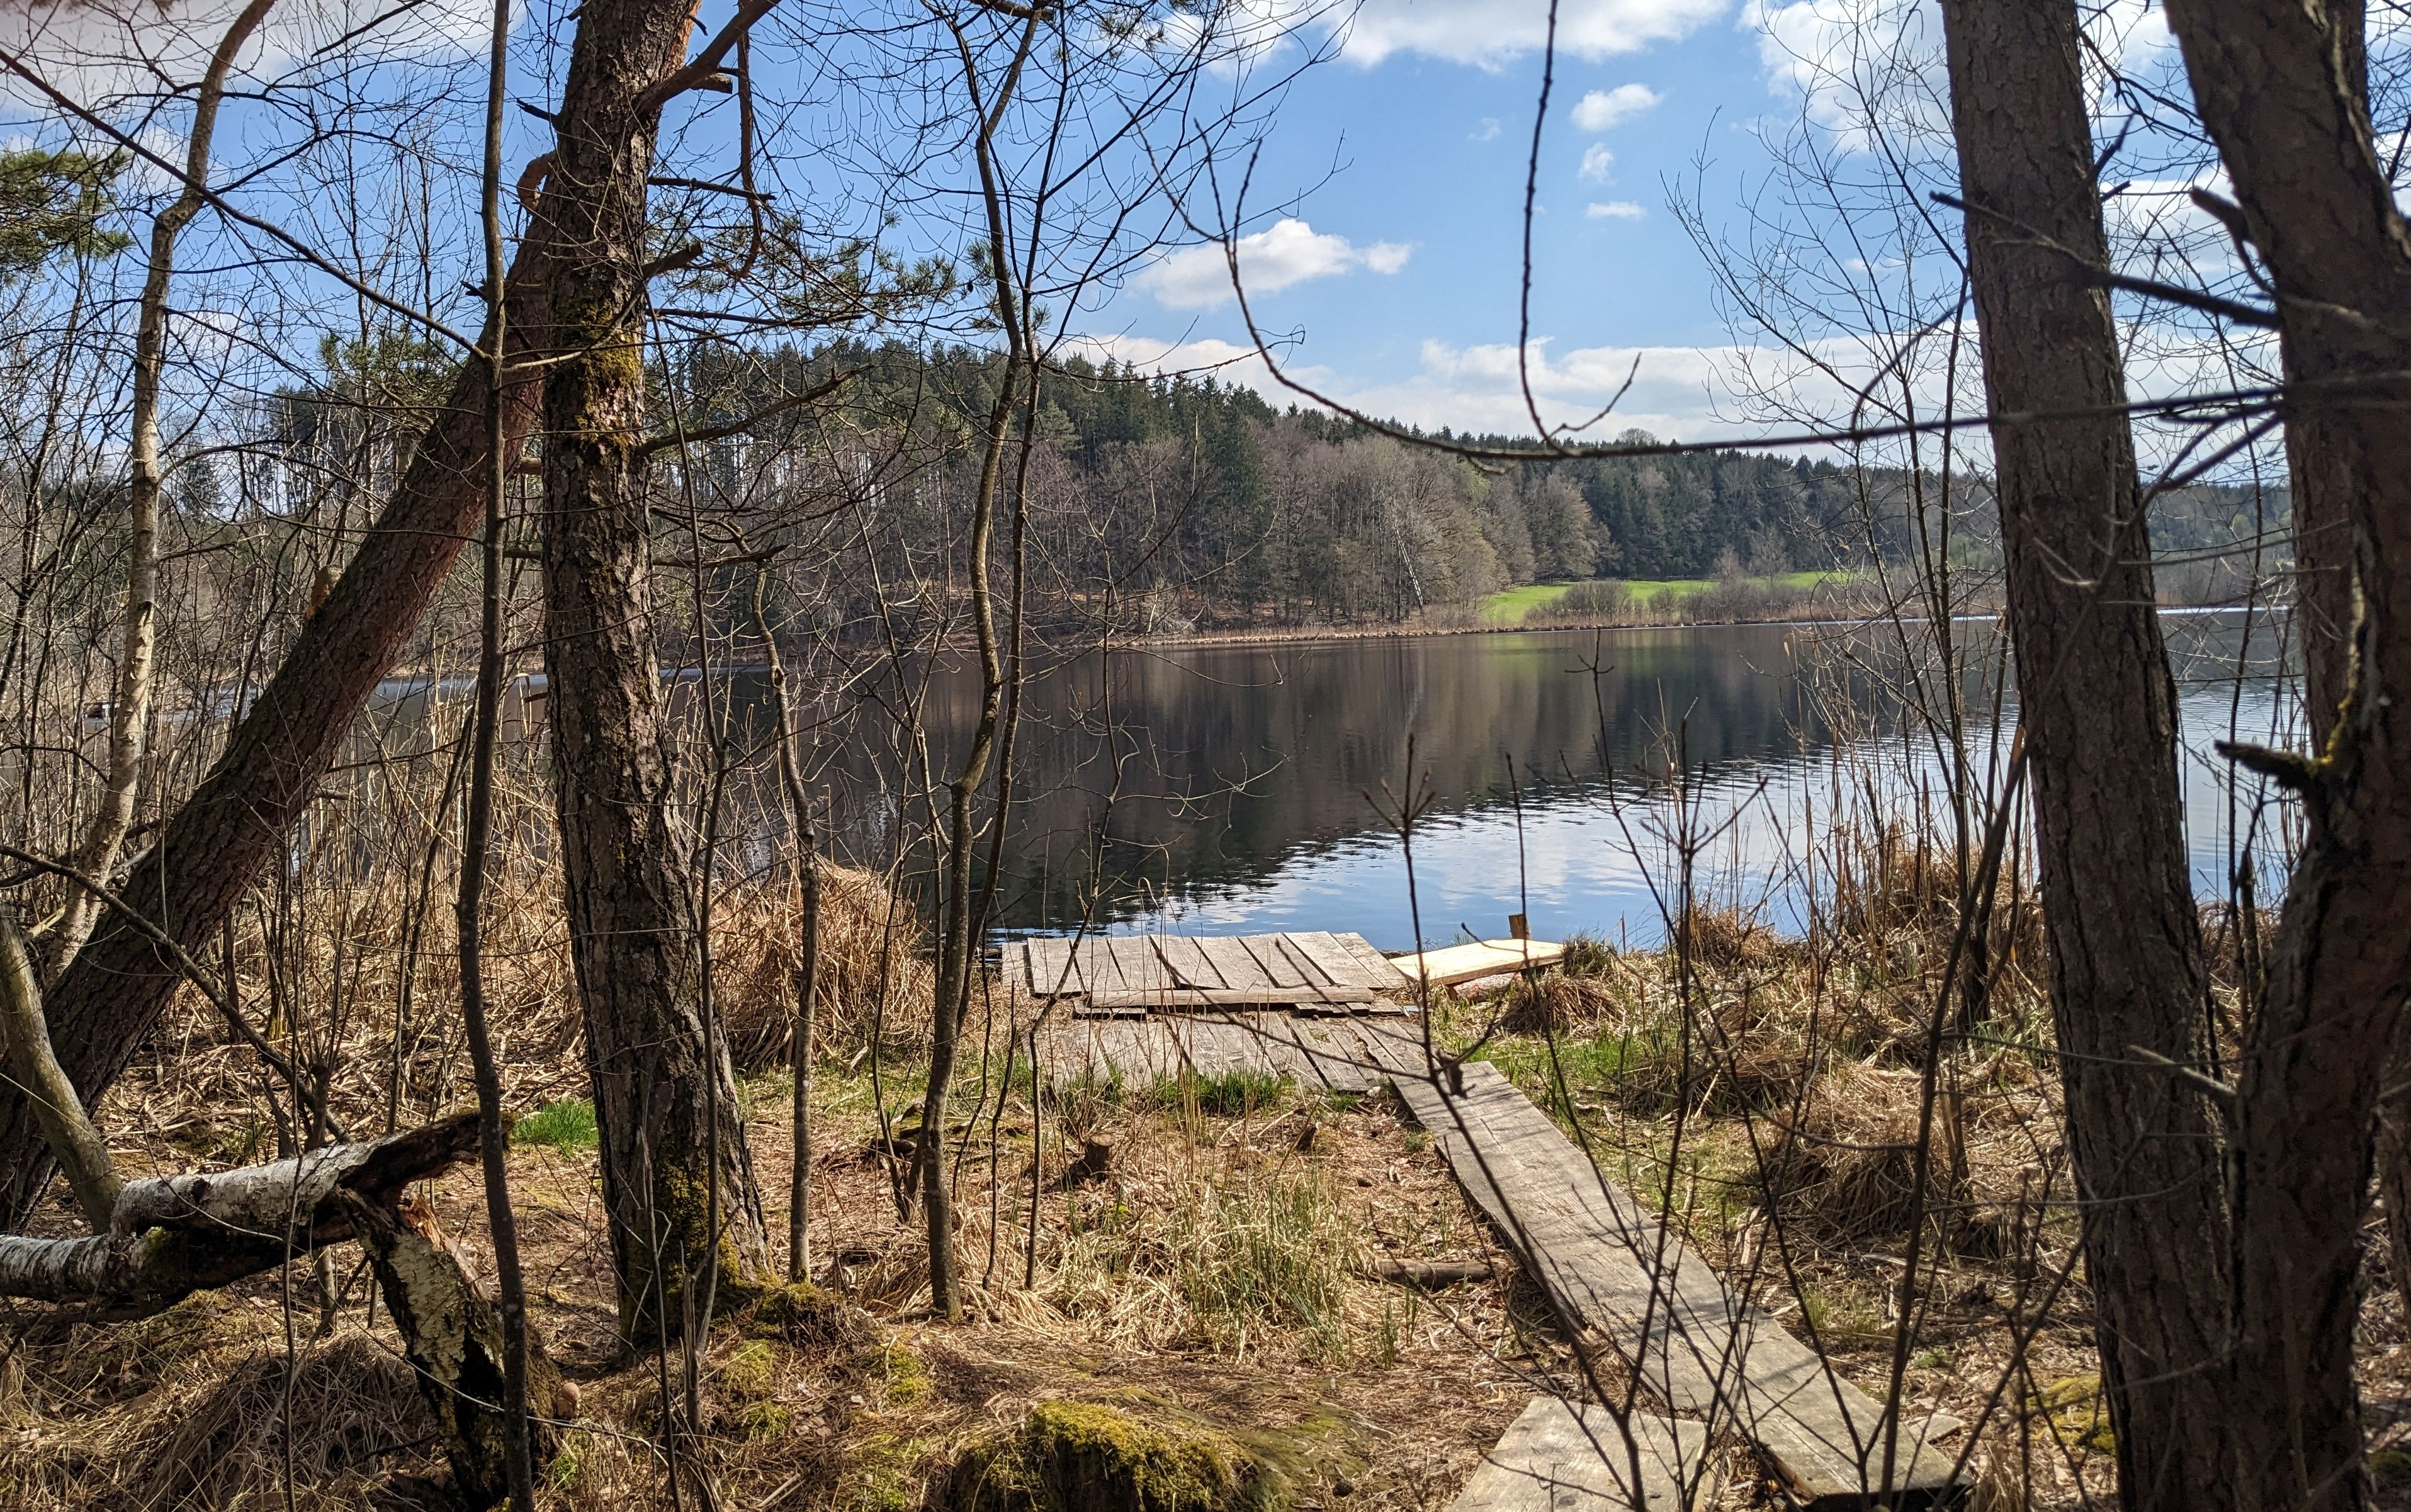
<point>1247,788</point>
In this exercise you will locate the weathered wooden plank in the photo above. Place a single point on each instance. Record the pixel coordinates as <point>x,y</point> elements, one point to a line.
<point>1560,1456</point>
<point>1101,963</point>
<point>1142,967</point>
<point>1277,964</point>
<point>1614,1268</point>
<point>1187,964</point>
<point>1231,958</point>
<point>1373,969</point>
<point>1046,960</point>
<point>1309,972</point>
<point>1192,997</point>
<point>1329,956</point>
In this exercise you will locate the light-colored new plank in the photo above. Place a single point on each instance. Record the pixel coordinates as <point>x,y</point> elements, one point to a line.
<point>1560,1456</point>
<point>1486,958</point>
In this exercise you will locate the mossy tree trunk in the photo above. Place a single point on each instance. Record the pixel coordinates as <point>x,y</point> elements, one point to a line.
<point>676,1176</point>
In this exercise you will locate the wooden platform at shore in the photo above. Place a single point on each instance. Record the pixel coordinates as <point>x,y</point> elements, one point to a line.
<point>1305,971</point>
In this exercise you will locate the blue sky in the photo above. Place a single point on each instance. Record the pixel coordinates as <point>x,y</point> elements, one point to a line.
<point>1409,152</point>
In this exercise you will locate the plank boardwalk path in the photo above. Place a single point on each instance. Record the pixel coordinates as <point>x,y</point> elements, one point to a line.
<point>1564,1457</point>
<point>1615,1270</point>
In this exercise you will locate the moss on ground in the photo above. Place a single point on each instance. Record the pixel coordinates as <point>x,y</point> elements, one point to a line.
<point>1091,1456</point>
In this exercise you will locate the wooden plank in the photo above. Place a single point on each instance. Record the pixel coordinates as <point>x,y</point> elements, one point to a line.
<point>1329,956</point>
<point>1560,1456</point>
<point>1309,970</point>
<point>1484,958</point>
<point>1142,969</point>
<point>1046,960</point>
<point>1277,964</point>
<point>1187,964</point>
<point>1373,969</point>
<point>1617,1269</point>
<point>1192,999</point>
<point>1232,959</point>
<point>1101,963</point>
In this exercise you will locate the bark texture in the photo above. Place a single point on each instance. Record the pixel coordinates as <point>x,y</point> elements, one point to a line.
<point>2277,85</point>
<point>237,819</point>
<point>2099,708</point>
<point>171,1236</point>
<point>676,1176</point>
<point>452,1333</point>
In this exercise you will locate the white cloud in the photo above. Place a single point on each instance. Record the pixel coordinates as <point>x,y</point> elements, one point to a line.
<point>1490,33</point>
<point>1596,161</point>
<point>1614,210</point>
<point>1487,131</point>
<point>1603,108</point>
<point>1288,252</point>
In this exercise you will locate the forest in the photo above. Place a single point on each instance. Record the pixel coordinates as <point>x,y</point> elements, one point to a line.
<point>570,573</point>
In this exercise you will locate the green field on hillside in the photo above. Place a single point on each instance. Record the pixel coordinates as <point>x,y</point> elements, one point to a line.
<point>1516,605</point>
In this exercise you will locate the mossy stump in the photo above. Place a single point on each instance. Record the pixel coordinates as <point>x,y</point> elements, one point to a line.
<point>1087,1456</point>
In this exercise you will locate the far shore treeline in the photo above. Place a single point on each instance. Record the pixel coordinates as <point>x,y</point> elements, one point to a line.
<point>1166,504</point>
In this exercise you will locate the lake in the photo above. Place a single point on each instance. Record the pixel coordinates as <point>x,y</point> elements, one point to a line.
<point>1255,788</point>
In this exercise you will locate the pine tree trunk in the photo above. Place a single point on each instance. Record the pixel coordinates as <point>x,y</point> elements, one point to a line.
<point>664,1095</point>
<point>2099,713</point>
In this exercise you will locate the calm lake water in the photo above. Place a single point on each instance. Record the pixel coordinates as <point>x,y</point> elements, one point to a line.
<point>1254,788</point>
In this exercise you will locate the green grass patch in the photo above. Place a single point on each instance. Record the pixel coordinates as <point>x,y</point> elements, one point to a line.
<point>567,1125</point>
<point>1512,606</point>
<point>1516,606</point>
<point>1227,1095</point>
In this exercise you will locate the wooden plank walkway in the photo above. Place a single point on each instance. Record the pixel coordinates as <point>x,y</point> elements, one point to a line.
<point>1560,1456</point>
<point>1130,975</point>
<point>1615,1270</point>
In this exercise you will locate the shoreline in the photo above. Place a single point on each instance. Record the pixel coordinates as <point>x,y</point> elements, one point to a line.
<point>1335,634</point>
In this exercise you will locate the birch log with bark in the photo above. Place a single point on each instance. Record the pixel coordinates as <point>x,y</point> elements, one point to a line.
<point>168,1237</point>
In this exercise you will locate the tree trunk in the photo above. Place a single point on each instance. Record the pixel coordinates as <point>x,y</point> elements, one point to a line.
<point>129,714</point>
<point>2278,86</point>
<point>453,1336</point>
<point>2100,711</point>
<point>237,819</point>
<point>664,1095</point>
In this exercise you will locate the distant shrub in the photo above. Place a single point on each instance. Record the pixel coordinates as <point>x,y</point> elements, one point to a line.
<point>1606,599</point>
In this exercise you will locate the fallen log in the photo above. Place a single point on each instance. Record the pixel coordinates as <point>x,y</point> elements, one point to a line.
<point>1427,1275</point>
<point>170,1236</point>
